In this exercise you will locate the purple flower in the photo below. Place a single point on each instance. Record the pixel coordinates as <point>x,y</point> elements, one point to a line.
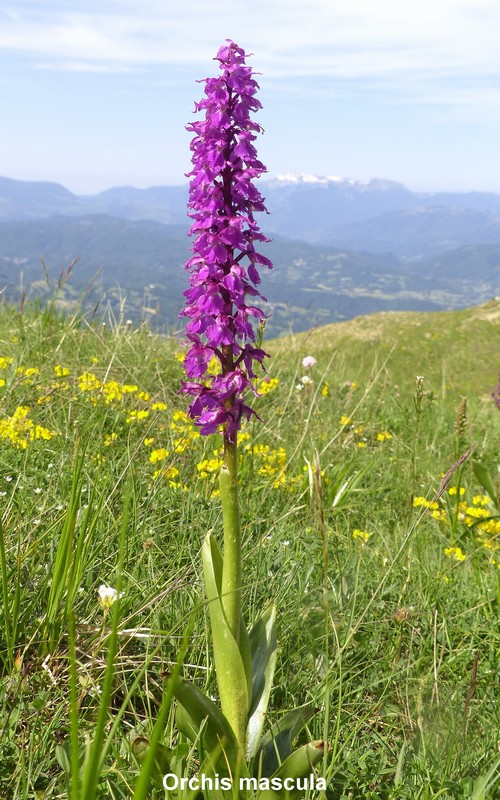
<point>223,269</point>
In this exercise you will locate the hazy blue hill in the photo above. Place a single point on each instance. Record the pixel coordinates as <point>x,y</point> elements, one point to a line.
<point>381,216</point>
<point>165,204</point>
<point>118,256</point>
<point>31,199</point>
<point>478,264</point>
<point>310,210</point>
<point>420,231</point>
<point>127,249</point>
<point>309,285</point>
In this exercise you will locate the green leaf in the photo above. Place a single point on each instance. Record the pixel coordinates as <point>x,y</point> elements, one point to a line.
<point>232,678</point>
<point>162,757</point>
<point>63,757</point>
<point>263,651</point>
<point>276,745</point>
<point>485,479</point>
<point>486,782</point>
<point>202,715</point>
<point>299,764</point>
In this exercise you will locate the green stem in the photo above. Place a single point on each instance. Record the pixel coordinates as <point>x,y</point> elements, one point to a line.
<point>231,571</point>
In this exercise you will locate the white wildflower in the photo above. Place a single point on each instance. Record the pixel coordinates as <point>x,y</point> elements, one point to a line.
<point>108,595</point>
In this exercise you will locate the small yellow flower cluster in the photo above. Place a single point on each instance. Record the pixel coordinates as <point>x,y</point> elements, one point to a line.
<point>184,432</point>
<point>479,516</point>
<point>455,553</point>
<point>113,393</point>
<point>271,463</point>
<point>61,372</point>
<point>214,366</point>
<point>481,500</point>
<point>19,430</point>
<point>267,385</point>
<point>169,474</point>
<point>423,502</point>
<point>158,455</point>
<point>209,466</point>
<point>362,536</point>
<point>27,373</point>
<point>88,382</point>
<point>363,437</point>
<point>137,415</point>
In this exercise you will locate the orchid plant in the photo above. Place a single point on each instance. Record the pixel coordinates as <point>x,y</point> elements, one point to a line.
<point>224,276</point>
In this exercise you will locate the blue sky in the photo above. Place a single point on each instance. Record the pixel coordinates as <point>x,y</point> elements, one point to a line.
<point>97,93</point>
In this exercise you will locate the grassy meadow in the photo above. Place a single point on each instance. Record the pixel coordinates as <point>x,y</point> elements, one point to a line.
<point>381,550</point>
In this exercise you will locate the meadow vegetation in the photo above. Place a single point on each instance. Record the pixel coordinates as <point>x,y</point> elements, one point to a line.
<point>381,550</point>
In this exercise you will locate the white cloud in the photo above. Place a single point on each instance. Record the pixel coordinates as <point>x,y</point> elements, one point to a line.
<point>341,39</point>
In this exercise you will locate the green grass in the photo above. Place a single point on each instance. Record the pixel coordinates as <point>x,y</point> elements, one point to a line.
<point>395,642</point>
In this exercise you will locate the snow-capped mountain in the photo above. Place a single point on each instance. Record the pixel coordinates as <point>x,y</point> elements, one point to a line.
<point>378,215</point>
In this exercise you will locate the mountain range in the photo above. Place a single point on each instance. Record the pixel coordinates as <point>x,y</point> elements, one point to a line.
<point>340,247</point>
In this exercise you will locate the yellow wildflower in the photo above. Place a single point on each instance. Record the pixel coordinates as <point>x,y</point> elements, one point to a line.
<point>87,382</point>
<point>361,535</point>
<point>158,455</point>
<point>136,415</point>
<point>27,372</point>
<point>19,430</point>
<point>481,500</point>
<point>267,385</point>
<point>158,407</point>
<point>455,553</point>
<point>209,466</point>
<point>422,501</point>
<point>169,473</point>
<point>112,392</point>
<point>61,372</point>
<point>345,420</point>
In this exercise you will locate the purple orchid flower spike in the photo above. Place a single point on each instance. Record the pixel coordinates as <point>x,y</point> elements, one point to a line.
<point>224,265</point>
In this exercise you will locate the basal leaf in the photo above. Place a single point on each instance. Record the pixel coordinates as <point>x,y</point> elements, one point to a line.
<point>263,652</point>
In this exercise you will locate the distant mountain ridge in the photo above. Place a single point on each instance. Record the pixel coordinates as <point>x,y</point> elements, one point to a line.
<point>341,248</point>
<point>138,265</point>
<point>379,216</point>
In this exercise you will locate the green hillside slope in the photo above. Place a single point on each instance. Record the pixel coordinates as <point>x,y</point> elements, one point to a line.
<point>458,351</point>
